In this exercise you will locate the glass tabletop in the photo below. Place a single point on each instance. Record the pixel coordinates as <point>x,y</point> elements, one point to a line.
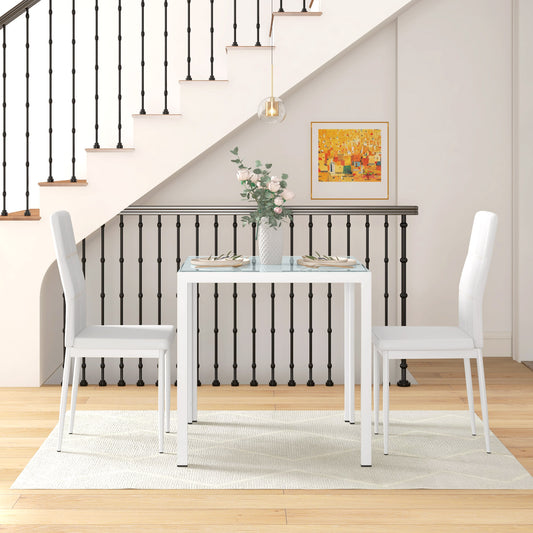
<point>288,264</point>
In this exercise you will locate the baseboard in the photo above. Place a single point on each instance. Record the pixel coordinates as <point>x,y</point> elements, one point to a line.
<point>498,344</point>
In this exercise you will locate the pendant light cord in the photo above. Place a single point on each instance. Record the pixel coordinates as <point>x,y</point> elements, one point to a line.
<point>272,51</point>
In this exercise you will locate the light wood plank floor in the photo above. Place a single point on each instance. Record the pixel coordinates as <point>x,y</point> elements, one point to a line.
<point>28,415</point>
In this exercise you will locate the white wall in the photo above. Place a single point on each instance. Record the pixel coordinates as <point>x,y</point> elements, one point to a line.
<point>523,184</point>
<point>455,152</point>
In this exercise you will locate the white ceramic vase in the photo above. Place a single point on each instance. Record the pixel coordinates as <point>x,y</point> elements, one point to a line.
<point>270,243</point>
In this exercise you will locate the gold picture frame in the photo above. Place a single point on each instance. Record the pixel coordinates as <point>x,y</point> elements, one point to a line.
<point>349,160</point>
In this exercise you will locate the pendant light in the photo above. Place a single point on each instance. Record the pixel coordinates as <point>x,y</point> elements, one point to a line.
<point>271,110</point>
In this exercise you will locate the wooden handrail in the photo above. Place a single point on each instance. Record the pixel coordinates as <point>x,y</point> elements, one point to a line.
<point>16,11</point>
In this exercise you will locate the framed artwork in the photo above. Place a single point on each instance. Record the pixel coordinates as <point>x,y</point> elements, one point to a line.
<point>349,160</point>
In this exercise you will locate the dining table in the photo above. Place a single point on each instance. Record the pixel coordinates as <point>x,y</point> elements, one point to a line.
<point>290,270</point>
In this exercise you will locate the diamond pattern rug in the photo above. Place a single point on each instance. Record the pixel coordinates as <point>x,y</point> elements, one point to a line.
<point>272,450</point>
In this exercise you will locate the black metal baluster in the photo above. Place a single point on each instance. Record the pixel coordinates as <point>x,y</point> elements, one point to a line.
<point>235,24</point>
<point>96,75</point>
<point>234,382</point>
<point>178,257</point>
<point>165,63</point>
<point>386,261</point>
<point>197,249</point>
<point>188,40</point>
<point>253,383</point>
<point>142,111</point>
<point>119,144</point>
<point>212,30</point>
<point>73,178</point>
<point>50,100</point>
<point>403,382</point>
<point>348,228</point>
<point>216,382</point>
<point>310,382</point>
<point>258,26</point>
<point>304,9</point>
<point>102,382</point>
<point>83,381</point>
<point>272,381</point>
<point>159,261</point>
<point>291,382</point>
<point>329,381</point>
<point>121,382</point>
<point>4,132</point>
<point>281,10</point>
<point>367,241</point>
<point>140,381</point>
<point>27,212</point>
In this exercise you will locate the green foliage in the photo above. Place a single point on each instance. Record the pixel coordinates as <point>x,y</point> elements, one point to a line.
<point>256,190</point>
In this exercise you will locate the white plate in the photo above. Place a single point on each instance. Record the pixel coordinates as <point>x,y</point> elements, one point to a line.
<point>206,262</point>
<point>343,262</point>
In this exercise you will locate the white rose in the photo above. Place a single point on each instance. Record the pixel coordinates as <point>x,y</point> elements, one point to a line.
<point>244,174</point>
<point>274,186</point>
<point>279,201</point>
<point>287,195</point>
<point>254,178</point>
<point>275,178</point>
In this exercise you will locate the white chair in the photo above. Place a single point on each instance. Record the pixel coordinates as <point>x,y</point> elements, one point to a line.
<point>82,340</point>
<point>462,342</point>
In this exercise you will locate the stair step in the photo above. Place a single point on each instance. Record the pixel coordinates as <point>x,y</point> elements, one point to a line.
<point>292,14</point>
<point>19,215</point>
<point>197,81</point>
<point>136,115</point>
<point>249,48</point>
<point>63,183</point>
<point>109,149</point>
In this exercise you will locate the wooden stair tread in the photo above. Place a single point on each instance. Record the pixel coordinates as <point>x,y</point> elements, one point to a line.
<point>109,149</point>
<point>292,14</point>
<point>63,183</point>
<point>19,215</point>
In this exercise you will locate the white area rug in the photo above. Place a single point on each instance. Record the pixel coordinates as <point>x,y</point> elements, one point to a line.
<point>272,450</point>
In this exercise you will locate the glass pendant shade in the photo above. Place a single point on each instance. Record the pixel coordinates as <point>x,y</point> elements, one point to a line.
<point>272,110</point>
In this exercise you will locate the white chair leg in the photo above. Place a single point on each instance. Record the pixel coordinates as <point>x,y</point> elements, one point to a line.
<point>167,392</point>
<point>74,397</point>
<point>483,398</point>
<point>376,390</point>
<point>470,394</point>
<point>161,401</point>
<point>63,404</point>
<point>385,403</point>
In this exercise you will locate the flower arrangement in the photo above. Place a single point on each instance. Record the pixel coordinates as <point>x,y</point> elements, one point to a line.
<point>270,192</point>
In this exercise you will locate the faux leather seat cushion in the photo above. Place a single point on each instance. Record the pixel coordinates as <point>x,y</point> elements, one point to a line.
<point>421,338</point>
<point>126,337</point>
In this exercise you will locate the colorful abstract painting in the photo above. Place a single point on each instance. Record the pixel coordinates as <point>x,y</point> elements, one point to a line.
<point>349,155</point>
<point>349,160</point>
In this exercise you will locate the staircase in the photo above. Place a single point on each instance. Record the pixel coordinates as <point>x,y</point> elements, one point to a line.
<point>162,145</point>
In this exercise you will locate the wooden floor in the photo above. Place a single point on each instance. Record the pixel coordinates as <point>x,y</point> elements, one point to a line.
<point>28,415</point>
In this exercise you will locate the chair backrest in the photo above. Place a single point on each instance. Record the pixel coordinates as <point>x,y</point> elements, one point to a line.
<point>71,275</point>
<point>474,275</point>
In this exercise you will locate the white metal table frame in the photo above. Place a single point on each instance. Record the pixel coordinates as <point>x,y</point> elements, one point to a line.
<point>289,272</point>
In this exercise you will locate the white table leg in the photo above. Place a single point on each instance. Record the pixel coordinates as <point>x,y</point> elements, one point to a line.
<point>194,357</point>
<point>184,351</point>
<point>366,371</point>
<point>346,374</point>
<point>349,349</point>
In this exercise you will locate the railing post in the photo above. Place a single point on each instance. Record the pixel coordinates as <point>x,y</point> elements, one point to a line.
<point>403,382</point>
<point>102,382</point>
<point>143,63</point>
<point>119,143</point>
<point>212,30</point>
<point>165,62</point>
<point>253,382</point>
<point>96,75</point>
<point>188,40</point>
<point>50,100</point>
<point>258,26</point>
<point>73,179</point>
<point>121,382</point>
<point>216,381</point>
